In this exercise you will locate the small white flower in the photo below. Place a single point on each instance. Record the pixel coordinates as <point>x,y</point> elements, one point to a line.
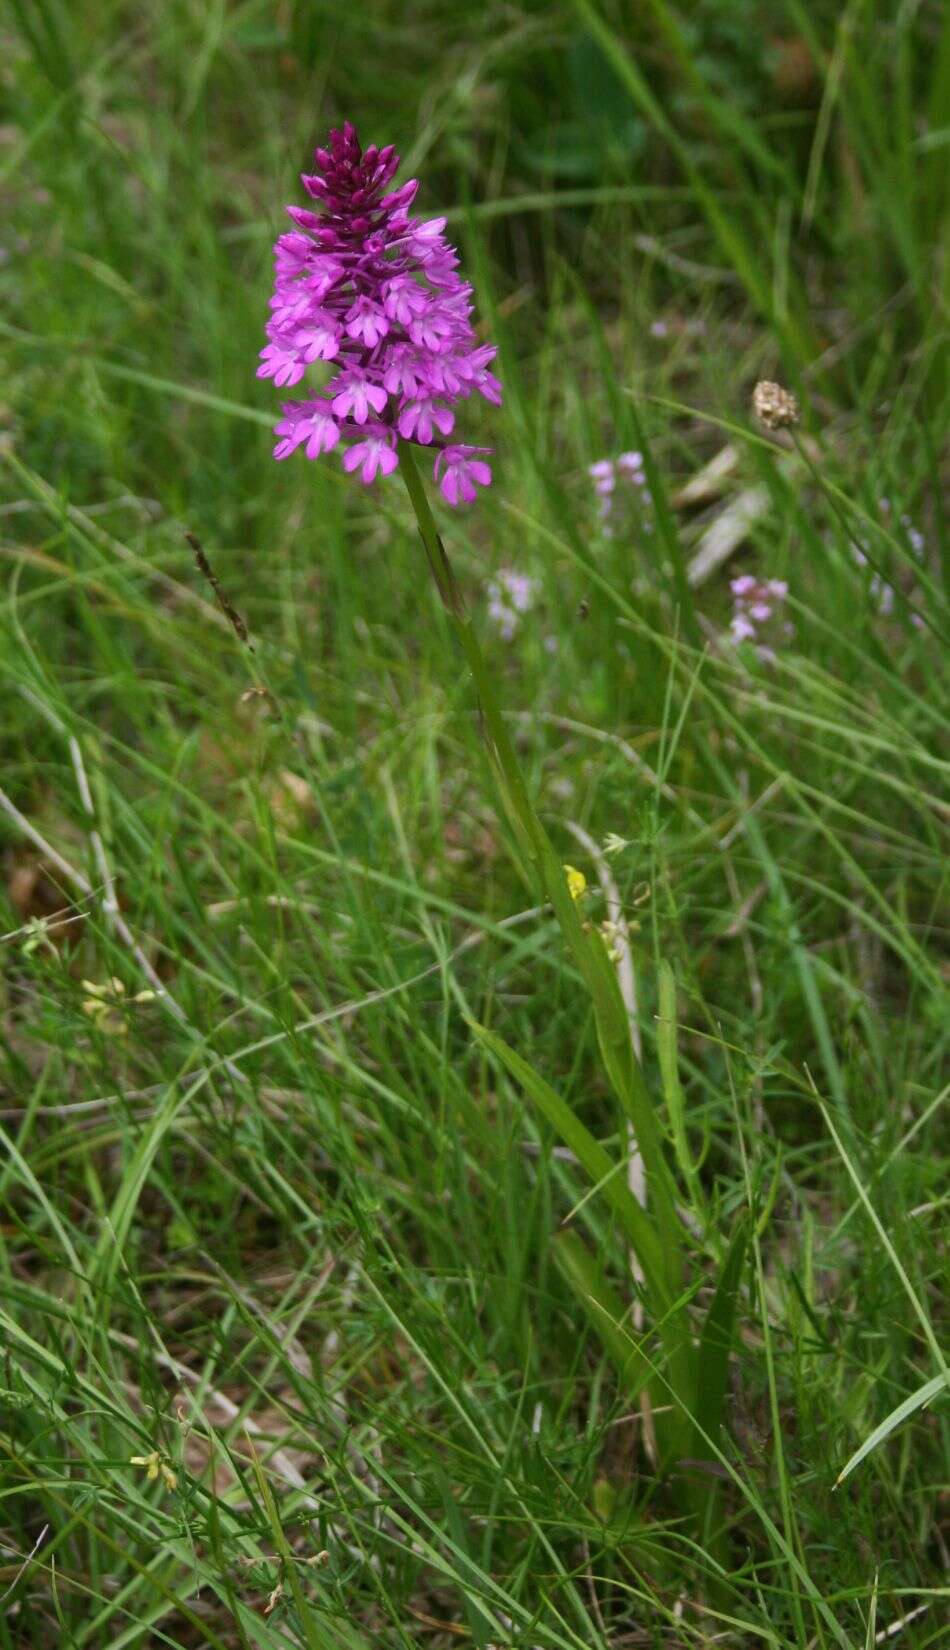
<point>614,844</point>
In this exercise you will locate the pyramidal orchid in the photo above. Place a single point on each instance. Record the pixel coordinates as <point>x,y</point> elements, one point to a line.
<point>376,293</point>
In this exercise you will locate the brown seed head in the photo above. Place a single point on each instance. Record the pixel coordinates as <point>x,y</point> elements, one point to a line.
<point>774,407</point>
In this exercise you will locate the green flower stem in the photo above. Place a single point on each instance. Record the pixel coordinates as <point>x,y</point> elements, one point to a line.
<point>585,944</point>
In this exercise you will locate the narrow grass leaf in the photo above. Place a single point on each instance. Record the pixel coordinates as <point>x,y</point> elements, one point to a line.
<point>924,1395</point>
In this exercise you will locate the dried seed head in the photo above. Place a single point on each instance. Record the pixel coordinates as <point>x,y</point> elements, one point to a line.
<point>774,407</point>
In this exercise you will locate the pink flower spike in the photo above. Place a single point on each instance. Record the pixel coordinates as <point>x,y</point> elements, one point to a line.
<point>743,584</point>
<point>361,282</point>
<point>374,456</point>
<point>459,473</point>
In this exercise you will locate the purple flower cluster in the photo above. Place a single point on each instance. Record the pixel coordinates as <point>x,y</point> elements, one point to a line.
<point>363,285</point>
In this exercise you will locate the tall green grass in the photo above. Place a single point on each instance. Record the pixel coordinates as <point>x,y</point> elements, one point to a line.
<point>360,1273</point>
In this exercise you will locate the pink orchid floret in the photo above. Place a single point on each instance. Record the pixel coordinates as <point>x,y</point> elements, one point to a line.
<point>362,284</point>
<point>459,473</point>
<point>418,419</point>
<point>307,423</point>
<point>356,394</point>
<point>374,455</point>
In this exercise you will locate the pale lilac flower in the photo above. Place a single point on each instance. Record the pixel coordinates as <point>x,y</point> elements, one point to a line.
<point>742,628</point>
<point>509,596</point>
<point>883,594</point>
<point>602,475</point>
<point>915,537</point>
<point>361,283</point>
<point>753,603</point>
<point>520,591</point>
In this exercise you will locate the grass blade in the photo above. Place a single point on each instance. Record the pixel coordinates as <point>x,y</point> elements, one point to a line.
<point>924,1395</point>
<point>605,1174</point>
<point>715,1343</point>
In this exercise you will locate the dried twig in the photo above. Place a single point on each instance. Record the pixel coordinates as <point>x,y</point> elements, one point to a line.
<point>227,606</point>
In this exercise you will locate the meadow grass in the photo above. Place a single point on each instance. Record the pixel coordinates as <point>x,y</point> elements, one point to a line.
<point>275,1220</point>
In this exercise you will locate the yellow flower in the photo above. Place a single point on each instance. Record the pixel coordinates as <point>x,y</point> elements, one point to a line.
<point>103,1003</point>
<point>576,882</point>
<point>154,1465</point>
<point>152,1462</point>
